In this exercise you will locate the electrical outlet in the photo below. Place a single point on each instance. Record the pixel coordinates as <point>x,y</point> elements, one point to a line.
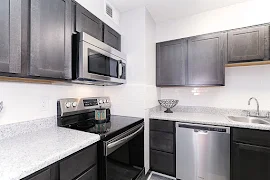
<point>44,104</point>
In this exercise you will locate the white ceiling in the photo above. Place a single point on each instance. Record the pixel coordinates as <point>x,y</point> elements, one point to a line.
<point>163,10</point>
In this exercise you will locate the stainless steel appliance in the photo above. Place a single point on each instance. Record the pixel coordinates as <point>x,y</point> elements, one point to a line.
<point>202,152</point>
<point>121,148</point>
<point>94,62</point>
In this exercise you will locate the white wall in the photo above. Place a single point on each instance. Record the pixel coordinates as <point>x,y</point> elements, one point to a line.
<point>97,8</point>
<point>241,82</point>
<point>138,42</point>
<point>235,16</point>
<point>24,101</point>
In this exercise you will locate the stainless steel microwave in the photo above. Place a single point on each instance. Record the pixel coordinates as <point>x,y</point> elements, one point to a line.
<point>96,62</point>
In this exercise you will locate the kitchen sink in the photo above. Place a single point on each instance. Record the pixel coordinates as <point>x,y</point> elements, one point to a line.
<point>252,120</point>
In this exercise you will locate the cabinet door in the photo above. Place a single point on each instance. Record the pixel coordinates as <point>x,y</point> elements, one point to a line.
<point>10,36</point>
<point>207,55</point>
<point>162,162</point>
<point>48,173</point>
<point>171,63</point>
<point>88,23</point>
<point>162,141</point>
<point>89,175</point>
<point>112,38</point>
<point>162,126</point>
<point>50,38</point>
<point>250,162</point>
<point>248,44</point>
<point>76,164</point>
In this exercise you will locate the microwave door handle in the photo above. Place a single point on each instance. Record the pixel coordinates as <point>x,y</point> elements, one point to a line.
<point>125,139</point>
<point>120,69</point>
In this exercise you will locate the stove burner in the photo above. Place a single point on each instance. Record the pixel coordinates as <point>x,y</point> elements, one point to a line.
<point>100,128</point>
<point>85,124</point>
<point>92,126</point>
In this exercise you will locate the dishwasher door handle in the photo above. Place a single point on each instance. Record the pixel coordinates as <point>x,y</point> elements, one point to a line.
<point>204,128</point>
<point>200,131</point>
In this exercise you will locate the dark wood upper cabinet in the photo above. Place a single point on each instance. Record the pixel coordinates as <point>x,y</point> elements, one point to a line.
<point>88,23</point>
<point>207,55</point>
<point>10,36</point>
<point>248,44</point>
<point>171,63</point>
<point>50,38</point>
<point>112,38</point>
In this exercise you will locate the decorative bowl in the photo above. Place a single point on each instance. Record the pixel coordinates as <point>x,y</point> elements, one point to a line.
<point>168,104</point>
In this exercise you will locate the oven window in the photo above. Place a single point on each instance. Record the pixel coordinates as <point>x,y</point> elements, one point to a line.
<point>127,162</point>
<point>102,65</point>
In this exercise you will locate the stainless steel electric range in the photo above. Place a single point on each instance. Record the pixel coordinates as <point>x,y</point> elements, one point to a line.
<point>121,149</point>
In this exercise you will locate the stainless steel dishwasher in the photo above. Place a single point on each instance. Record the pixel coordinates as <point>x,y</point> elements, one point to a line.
<point>202,152</point>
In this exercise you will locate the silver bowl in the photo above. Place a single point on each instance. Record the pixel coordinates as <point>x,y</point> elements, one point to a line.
<point>168,104</point>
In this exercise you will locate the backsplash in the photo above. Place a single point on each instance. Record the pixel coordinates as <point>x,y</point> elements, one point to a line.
<point>25,102</point>
<point>241,84</point>
<point>210,110</point>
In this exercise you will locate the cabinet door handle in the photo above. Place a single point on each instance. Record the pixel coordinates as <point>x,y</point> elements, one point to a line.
<point>253,147</point>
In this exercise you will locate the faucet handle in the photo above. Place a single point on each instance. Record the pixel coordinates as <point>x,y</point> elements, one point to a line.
<point>268,114</point>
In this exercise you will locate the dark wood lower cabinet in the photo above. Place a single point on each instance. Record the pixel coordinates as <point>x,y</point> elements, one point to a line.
<point>162,162</point>
<point>250,155</point>
<point>162,147</point>
<point>251,162</point>
<point>48,173</point>
<point>73,166</point>
<point>91,174</point>
<point>81,165</point>
<point>162,141</point>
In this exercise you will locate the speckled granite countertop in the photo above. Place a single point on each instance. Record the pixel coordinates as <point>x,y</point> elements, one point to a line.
<point>201,116</point>
<point>26,153</point>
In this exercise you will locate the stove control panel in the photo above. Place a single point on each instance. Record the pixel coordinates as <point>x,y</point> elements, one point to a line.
<point>90,102</point>
<point>73,105</point>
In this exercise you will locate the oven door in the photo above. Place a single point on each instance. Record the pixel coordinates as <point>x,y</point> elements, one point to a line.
<point>124,155</point>
<point>97,64</point>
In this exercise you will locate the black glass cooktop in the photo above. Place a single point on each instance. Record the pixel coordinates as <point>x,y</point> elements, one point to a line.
<point>111,127</point>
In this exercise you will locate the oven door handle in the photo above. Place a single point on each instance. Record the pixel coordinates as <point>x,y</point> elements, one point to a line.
<point>125,139</point>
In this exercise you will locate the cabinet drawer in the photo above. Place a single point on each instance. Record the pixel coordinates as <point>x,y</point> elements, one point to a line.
<point>91,174</point>
<point>162,141</point>
<point>74,165</point>
<point>250,136</point>
<point>163,126</point>
<point>162,162</point>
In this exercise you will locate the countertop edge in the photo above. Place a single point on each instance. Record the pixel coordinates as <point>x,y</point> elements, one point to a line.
<point>54,159</point>
<point>228,123</point>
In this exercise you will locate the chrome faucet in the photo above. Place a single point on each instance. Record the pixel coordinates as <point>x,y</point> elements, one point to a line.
<point>258,106</point>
